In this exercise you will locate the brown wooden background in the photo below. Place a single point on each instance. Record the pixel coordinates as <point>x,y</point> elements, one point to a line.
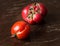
<point>45,34</point>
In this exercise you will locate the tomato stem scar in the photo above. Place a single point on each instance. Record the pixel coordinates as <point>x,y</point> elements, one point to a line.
<point>13,35</point>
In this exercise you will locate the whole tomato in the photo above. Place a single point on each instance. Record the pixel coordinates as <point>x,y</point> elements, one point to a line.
<point>34,13</point>
<point>20,29</point>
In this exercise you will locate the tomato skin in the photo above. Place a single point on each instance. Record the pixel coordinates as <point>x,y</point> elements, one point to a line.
<point>20,29</point>
<point>43,9</point>
<point>24,33</point>
<point>25,11</point>
<point>42,13</point>
<point>37,18</point>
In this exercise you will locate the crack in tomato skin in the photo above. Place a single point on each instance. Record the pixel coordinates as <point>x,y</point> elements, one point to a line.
<point>23,30</point>
<point>24,33</point>
<point>33,10</point>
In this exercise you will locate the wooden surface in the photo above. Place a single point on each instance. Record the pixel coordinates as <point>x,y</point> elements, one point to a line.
<point>45,34</point>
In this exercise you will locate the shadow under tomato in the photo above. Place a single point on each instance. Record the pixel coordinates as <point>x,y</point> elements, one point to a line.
<point>38,30</point>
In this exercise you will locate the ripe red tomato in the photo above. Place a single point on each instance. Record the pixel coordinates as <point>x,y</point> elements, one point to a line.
<point>34,13</point>
<point>20,29</point>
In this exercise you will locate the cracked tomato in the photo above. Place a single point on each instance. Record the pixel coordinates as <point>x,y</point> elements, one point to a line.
<point>34,13</point>
<point>20,29</point>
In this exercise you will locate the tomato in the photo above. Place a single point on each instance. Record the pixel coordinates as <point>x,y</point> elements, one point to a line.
<point>34,13</point>
<point>20,29</point>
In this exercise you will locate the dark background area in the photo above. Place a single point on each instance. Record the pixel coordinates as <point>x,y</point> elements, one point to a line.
<point>46,33</point>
